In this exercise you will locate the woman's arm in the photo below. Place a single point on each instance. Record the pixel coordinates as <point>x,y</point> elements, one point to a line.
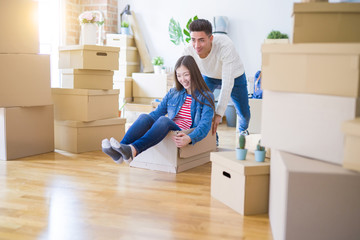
<point>203,128</point>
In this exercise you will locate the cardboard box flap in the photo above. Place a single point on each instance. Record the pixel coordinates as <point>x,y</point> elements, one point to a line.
<point>244,167</point>
<point>129,64</point>
<point>352,127</point>
<point>97,123</point>
<point>301,164</point>
<point>90,47</point>
<point>87,92</point>
<point>313,48</point>
<point>71,71</point>
<point>318,7</point>
<point>206,145</point>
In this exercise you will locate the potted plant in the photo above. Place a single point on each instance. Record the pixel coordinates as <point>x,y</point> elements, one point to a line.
<point>125,28</point>
<point>157,62</point>
<point>277,37</point>
<point>241,151</point>
<point>90,21</point>
<point>260,152</point>
<point>177,34</point>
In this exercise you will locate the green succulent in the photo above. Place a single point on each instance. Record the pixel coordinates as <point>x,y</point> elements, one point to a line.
<point>157,61</point>
<point>124,24</point>
<point>259,147</point>
<point>277,35</point>
<point>242,141</point>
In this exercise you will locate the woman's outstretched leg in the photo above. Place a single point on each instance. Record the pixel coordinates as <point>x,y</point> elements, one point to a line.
<point>153,136</point>
<point>138,128</point>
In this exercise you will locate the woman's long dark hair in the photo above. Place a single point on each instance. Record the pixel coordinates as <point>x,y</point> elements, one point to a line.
<point>197,81</point>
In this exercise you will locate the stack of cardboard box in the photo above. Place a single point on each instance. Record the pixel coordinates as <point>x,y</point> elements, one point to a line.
<point>310,88</point>
<point>86,107</point>
<point>129,62</point>
<point>26,110</point>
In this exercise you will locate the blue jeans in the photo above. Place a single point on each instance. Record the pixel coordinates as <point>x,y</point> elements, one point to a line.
<point>239,96</point>
<point>145,132</point>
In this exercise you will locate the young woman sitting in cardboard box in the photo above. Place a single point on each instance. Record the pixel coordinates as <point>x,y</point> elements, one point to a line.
<point>189,105</point>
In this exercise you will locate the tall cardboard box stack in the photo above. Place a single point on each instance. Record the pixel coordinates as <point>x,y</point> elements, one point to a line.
<point>310,89</point>
<point>129,62</point>
<point>26,110</point>
<point>87,106</point>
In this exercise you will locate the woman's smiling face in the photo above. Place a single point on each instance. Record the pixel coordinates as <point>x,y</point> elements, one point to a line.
<point>184,78</point>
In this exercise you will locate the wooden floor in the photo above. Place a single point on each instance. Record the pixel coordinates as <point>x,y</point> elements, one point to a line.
<point>87,196</point>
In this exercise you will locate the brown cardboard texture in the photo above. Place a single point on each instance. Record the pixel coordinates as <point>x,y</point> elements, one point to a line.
<point>125,86</point>
<point>129,54</point>
<point>24,80</point>
<point>328,69</point>
<point>78,137</point>
<point>120,40</point>
<point>85,104</point>
<point>166,157</point>
<point>87,79</point>
<point>307,124</point>
<point>20,31</point>
<point>351,129</point>
<point>326,22</point>
<point>149,85</point>
<point>310,199</point>
<point>243,185</point>
<point>26,131</point>
<point>89,57</point>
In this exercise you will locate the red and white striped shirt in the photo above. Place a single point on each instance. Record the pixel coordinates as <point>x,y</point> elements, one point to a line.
<point>183,118</point>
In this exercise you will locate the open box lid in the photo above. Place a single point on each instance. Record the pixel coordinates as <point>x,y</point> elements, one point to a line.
<point>352,127</point>
<point>71,71</point>
<point>323,7</point>
<point>97,123</point>
<point>313,48</point>
<point>90,47</point>
<point>85,92</point>
<point>244,167</point>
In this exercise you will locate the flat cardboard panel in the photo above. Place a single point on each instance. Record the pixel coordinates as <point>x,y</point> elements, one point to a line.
<point>326,22</point>
<point>24,80</point>
<point>307,124</point>
<point>310,199</point>
<point>241,185</point>
<point>89,57</point>
<point>312,68</point>
<point>78,137</point>
<point>352,143</point>
<point>26,131</point>
<point>127,69</point>
<point>120,40</point>
<point>20,33</point>
<point>125,86</point>
<point>149,85</point>
<point>165,156</point>
<point>85,105</point>
<point>141,44</point>
<point>86,79</point>
<point>129,54</point>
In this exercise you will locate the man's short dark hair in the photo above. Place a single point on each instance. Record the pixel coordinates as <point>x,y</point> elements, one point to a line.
<point>201,25</point>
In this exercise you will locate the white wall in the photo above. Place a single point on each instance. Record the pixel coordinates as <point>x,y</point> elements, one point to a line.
<point>250,22</point>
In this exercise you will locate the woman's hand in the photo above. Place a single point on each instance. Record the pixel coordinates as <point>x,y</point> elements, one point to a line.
<point>181,139</point>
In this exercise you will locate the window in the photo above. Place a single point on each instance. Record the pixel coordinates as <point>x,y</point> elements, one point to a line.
<point>49,28</point>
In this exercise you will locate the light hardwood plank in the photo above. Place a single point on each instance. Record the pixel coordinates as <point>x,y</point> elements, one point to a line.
<point>87,196</point>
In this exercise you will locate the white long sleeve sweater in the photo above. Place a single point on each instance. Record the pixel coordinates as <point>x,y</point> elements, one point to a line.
<point>223,63</point>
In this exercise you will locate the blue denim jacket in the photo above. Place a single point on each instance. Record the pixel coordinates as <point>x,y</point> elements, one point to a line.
<point>201,114</point>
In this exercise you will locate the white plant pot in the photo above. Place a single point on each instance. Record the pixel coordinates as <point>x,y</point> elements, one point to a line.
<point>88,34</point>
<point>157,69</point>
